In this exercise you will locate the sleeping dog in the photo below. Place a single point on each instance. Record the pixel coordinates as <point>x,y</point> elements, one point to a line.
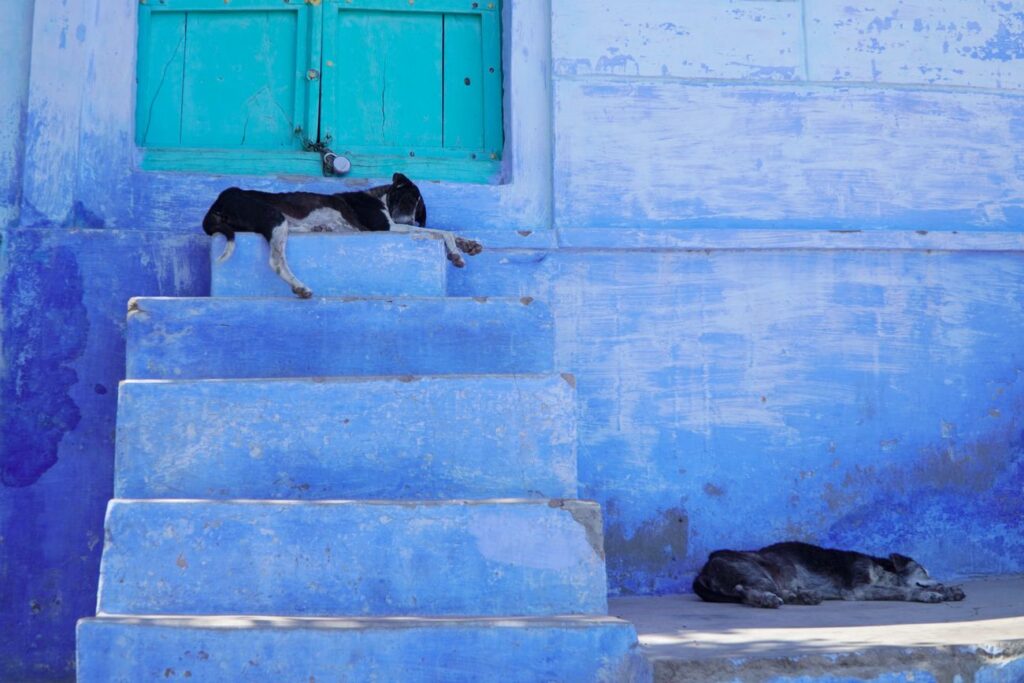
<point>804,574</point>
<point>397,207</point>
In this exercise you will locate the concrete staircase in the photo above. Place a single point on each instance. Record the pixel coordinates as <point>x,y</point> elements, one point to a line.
<point>375,485</point>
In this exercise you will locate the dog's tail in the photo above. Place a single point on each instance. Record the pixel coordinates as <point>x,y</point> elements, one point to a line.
<point>703,588</point>
<point>212,225</point>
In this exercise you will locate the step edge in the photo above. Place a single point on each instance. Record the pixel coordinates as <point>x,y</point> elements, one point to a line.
<point>522,300</point>
<point>568,377</point>
<point>226,621</point>
<point>560,503</point>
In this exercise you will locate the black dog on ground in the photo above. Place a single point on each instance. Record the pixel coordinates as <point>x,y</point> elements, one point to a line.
<point>397,207</point>
<point>804,574</point>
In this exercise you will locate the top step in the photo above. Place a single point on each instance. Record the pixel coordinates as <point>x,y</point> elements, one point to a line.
<point>360,264</point>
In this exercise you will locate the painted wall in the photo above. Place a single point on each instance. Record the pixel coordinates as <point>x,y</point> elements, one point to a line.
<point>782,241</point>
<point>64,288</point>
<point>15,48</point>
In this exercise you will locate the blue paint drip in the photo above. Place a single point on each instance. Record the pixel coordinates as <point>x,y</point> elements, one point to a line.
<point>36,381</point>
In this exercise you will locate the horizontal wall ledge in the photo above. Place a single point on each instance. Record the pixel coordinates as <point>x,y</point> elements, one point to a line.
<point>755,239</point>
<point>786,83</point>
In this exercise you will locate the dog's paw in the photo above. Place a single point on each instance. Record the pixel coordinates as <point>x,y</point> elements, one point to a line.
<point>471,247</point>
<point>456,260</point>
<point>806,598</point>
<point>764,599</point>
<point>929,596</point>
<point>302,292</point>
<point>953,593</point>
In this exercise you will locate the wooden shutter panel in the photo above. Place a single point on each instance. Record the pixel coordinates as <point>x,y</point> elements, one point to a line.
<point>242,86</point>
<point>413,86</point>
<point>224,75</point>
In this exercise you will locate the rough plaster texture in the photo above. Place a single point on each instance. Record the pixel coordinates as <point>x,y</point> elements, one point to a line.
<point>412,650</point>
<point>213,338</point>
<point>15,48</point>
<point>729,399</point>
<point>979,639</point>
<point>401,437</point>
<point>305,558</point>
<point>369,264</point>
<point>63,295</point>
<point>657,108</point>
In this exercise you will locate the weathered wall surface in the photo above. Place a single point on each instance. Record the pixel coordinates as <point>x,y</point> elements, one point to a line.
<point>812,368</point>
<point>830,114</point>
<point>782,241</point>
<point>64,294</point>
<point>15,49</point>
<point>735,398</point>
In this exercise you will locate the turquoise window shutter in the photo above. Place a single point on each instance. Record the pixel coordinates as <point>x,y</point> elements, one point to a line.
<point>385,79</point>
<point>226,77</point>
<point>394,85</point>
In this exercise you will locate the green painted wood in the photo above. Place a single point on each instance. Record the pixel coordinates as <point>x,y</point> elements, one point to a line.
<point>463,82</point>
<point>387,84</point>
<point>227,75</point>
<point>223,87</point>
<point>494,139</point>
<point>443,6</point>
<point>378,166</point>
<point>232,161</point>
<point>161,68</point>
<point>240,80</point>
<point>370,55</point>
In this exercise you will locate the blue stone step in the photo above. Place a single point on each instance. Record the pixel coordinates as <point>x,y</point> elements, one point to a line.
<point>335,558</point>
<point>198,338</point>
<point>440,437</point>
<point>364,264</point>
<point>406,650</point>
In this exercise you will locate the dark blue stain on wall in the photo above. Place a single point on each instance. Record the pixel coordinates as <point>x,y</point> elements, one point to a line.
<point>972,495</point>
<point>63,300</point>
<point>37,377</point>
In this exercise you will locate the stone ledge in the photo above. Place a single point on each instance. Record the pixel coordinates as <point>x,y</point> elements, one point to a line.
<point>236,337</point>
<point>410,437</point>
<point>979,639</point>
<point>334,264</point>
<point>328,558</point>
<point>569,649</point>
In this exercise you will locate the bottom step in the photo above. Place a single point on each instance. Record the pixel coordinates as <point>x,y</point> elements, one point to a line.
<point>305,650</point>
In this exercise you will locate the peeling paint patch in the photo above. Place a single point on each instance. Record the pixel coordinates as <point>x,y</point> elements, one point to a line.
<point>588,516</point>
<point>649,558</point>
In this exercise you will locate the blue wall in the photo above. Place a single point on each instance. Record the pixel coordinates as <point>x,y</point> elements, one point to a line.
<point>782,241</point>
<point>15,46</point>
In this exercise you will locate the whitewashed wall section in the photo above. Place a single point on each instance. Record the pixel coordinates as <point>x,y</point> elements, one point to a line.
<point>968,43</point>
<point>737,39</point>
<point>787,115</point>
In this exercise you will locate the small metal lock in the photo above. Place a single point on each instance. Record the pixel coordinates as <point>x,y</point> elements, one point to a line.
<point>337,164</point>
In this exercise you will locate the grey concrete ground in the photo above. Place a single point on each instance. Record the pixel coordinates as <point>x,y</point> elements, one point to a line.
<point>691,640</point>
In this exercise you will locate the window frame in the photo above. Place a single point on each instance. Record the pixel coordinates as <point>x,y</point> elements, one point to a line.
<point>313,52</point>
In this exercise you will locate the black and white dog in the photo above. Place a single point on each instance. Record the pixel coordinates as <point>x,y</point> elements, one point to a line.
<point>804,574</point>
<point>397,207</point>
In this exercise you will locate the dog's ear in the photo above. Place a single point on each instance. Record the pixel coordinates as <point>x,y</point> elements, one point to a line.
<point>399,179</point>
<point>899,562</point>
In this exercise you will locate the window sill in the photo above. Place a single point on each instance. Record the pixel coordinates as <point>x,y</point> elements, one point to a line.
<point>753,239</point>
<point>239,162</point>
